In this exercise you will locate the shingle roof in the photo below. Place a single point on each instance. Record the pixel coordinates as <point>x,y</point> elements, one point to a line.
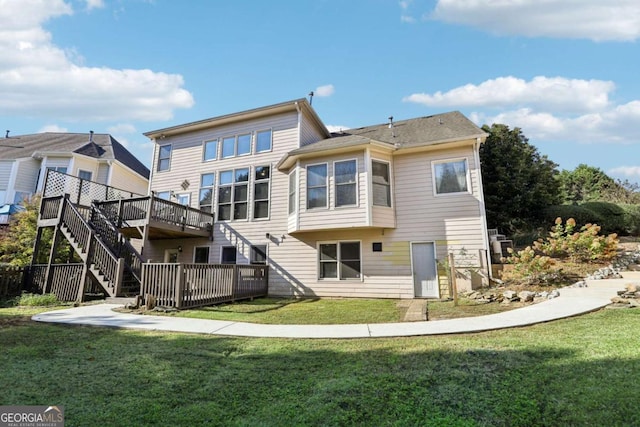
<point>418,132</point>
<point>102,146</point>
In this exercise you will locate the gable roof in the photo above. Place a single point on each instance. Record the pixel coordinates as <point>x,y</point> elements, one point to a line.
<point>404,134</point>
<point>297,104</point>
<point>98,146</point>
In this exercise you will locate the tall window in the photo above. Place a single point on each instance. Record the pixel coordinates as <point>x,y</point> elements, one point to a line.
<point>346,183</point>
<point>183,199</point>
<point>164,158</point>
<point>244,145</point>
<point>164,195</point>
<point>450,177</point>
<point>228,147</point>
<point>339,260</point>
<point>261,192</point>
<point>258,254</point>
<point>317,186</point>
<point>210,150</point>
<point>207,182</point>
<point>381,184</point>
<point>232,194</point>
<point>263,141</point>
<point>293,184</point>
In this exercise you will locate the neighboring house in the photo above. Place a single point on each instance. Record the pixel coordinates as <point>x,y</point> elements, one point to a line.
<point>25,159</point>
<point>368,212</point>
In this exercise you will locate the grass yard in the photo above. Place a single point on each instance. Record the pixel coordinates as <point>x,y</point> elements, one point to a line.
<point>330,311</point>
<point>580,371</point>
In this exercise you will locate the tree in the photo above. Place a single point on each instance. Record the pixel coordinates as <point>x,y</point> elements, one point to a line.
<point>590,184</point>
<point>17,240</point>
<point>518,181</point>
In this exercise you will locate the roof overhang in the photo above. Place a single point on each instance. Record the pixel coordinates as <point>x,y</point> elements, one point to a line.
<point>290,159</point>
<point>284,107</point>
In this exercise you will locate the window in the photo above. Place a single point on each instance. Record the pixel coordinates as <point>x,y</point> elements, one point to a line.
<point>259,254</point>
<point>261,192</point>
<point>339,260</point>
<point>201,255</point>
<point>263,141</point>
<point>317,186</point>
<point>244,145</point>
<point>232,194</point>
<point>381,184</point>
<point>346,183</point>
<point>450,177</point>
<point>183,199</point>
<point>20,196</point>
<point>228,146</point>
<point>86,175</point>
<point>164,158</point>
<point>207,182</point>
<point>210,150</point>
<point>164,195</point>
<point>293,184</point>
<point>229,255</point>
<point>61,169</point>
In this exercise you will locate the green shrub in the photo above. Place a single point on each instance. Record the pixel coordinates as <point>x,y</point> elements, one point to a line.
<point>579,213</point>
<point>39,300</point>
<point>532,268</point>
<point>631,219</point>
<point>611,216</point>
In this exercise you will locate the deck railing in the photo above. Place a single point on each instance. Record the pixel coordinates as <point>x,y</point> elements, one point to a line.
<point>80,191</point>
<point>192,285</point>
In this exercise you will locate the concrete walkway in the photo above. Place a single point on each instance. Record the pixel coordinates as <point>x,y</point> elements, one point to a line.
<point>572,302</point>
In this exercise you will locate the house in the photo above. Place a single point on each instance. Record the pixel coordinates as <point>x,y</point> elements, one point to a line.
<point>25,159</point>
<point>367,212</point>
<point>268,201</point>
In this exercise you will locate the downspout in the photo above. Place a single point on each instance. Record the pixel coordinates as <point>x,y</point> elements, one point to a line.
<point>483,213</point>
<point>152,168</point>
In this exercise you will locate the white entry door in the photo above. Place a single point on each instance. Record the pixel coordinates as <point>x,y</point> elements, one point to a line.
<point>425,273</point>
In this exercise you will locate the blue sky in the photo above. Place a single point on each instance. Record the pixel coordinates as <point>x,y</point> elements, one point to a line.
<point>564,71</point>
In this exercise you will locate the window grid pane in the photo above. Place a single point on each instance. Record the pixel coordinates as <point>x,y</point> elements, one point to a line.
<point>261,192</point>
<point>316,186</point>
<point>381,184</point>
<point>244,144</point>
<point>292,192</point>
<point>211,150</point>
<point>263,141</point>
<point>451,177</point>
<point>228,147</point>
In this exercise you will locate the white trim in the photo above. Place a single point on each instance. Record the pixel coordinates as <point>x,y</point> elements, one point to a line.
<point>467,177</point>
<point>250,135</point>
<point>252,194</point>
<point>483,212</point>
<point>435,259</point>
<point>335,185</point>
<point>326,185</point>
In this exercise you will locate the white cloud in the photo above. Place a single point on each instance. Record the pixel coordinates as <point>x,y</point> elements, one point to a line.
<point>596,20</point>
<point>544,92</point>
<point>122,128</point>
<point>626,171</point>
<point>408,19</point>
<point>40,79</point>
<point>323,91</point>
<point>52,128</point>
<point>551,109</point>
<point>94,4</point>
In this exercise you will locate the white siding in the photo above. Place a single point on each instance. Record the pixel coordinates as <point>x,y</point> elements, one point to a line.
<point>103,174</point>
<point>125,179</point>
<point>309,133</point>
<point>85,164</point>
<point>27,175</point>
<point>5,173</point>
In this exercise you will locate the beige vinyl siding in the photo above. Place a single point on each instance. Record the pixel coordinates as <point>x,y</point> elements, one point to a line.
<point>453,221</point>
<point>103,174</point>
<point>5,173</point>
<point>386,274</point>
<point>125,179</point>
<point>309,133</point>
<point>58,162</point>
<point>27,175</point>
<point>85,164</point>
<point>334,217</point>
<point>187,153</point>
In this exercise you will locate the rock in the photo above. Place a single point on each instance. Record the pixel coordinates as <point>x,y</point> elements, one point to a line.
<point>618,305</point>
<point>474,295</point>
<point>510,295</point>
<point>632,287</point>
<point>553,294</point>
<point>543,294</point>
<point>526,296</point>
<point>619,300</point>
<point>634,303</point>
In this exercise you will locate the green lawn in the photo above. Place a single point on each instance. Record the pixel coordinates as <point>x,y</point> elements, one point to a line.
<point>330,311</point>
<point>579,371</point>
